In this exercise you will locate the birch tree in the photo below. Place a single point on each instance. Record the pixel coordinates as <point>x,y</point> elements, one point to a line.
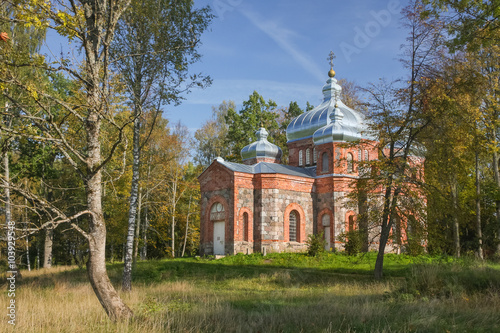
<point>153,56</point>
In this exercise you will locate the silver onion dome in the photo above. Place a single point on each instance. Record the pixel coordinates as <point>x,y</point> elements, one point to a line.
<point>341,128</point>
<point>261,148</point>
<point>350,127</point>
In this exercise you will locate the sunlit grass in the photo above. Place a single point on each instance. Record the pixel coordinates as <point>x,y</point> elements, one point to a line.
<point>278,293</point>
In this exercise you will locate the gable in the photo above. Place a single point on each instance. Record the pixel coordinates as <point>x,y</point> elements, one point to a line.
<point>216,177</point>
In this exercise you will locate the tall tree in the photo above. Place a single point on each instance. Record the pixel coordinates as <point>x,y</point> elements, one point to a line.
<point>285,116</point>
<point>473,23</point>
<point>153,56</point>
<point>211,137</point>
<point>256,112</point>
<point>91,24</point>
<point>398,118</point>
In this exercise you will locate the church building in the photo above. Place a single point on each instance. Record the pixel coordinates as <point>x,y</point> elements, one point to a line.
<point>264,206</point>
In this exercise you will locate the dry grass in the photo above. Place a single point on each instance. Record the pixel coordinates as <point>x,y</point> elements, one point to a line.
<point>275,300</point>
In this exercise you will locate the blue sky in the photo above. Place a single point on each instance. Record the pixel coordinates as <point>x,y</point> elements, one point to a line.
<point>280,47</point>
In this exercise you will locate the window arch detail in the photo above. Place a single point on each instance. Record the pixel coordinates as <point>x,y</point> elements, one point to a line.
<point>296,212</point>
<point>308,156</point>
<point>245,217</point>
<point>301,158</point>
<point>350,163</point>
<point>217,212</point>
<point>350,221</point>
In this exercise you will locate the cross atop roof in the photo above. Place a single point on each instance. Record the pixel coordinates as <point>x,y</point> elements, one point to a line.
<point>331,56</point>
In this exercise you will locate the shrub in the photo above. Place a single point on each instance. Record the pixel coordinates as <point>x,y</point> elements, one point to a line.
<point>353,241</point>
<point>315,244</point>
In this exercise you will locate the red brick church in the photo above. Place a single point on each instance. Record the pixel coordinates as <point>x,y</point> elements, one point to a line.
<point>264,206</point>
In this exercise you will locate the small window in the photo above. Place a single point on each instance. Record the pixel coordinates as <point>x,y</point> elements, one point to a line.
<point>366,156</point>
<point>308,156</point>
<point>360,155</point>
<point>293,226</point>
<point>352,226</point>
<point>245,227</point>
<point>350,163</point>
<point>217,212</point>
<point>324,162</point>
<point>325,220</point>
<point>300,158</point>
<point>315,156</point>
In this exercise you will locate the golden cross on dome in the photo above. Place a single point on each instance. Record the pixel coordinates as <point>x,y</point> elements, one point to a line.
<point>331,56</point>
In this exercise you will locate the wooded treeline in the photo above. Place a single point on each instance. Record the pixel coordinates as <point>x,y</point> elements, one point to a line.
<point>91,172</point>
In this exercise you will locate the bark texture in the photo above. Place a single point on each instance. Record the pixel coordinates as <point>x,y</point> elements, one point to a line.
<point>129,245</point>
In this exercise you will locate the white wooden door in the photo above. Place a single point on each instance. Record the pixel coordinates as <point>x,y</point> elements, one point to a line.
<point>219,234</point>
<point>327,238</point>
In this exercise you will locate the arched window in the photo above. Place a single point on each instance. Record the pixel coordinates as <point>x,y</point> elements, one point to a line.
<point>245,227</point>
<point>350,163</point>
<point>324,162</point>
<point>366,156</point>
<point>315,156</point>
<point>217,212</point>
<point>300,158</point>
<point>352,225</point>
<point>293,226</point>
<point>360,155</point>
<point>308,156</point>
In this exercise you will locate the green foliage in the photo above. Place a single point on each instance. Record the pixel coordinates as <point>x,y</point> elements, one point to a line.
<point>451,279</point>
<point>286,115</point>
<point>353,241</point>
<point>256,112</point>
<point>211,137</point>
<point>315,244</point>
<point>471,23</point>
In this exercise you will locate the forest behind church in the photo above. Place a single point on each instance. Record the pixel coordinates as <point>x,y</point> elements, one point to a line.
<point>92,174</point>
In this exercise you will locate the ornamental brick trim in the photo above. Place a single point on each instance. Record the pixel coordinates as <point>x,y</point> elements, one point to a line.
<point>348,214</point>
<point>301,226</point>
<point>207,232</point>
<point>249,231</point>
<point>321,228</point>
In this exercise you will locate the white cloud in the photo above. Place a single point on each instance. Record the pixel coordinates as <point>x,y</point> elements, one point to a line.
<point>283,37</point>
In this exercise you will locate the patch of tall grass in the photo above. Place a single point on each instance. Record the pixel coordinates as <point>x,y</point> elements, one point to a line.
<point>274,293</point>
<point>452,279</point>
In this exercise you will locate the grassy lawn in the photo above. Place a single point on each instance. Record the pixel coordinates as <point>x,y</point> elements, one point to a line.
<point>275,293</point>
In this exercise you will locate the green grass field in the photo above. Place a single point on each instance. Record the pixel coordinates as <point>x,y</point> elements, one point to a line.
<point>275,293</point>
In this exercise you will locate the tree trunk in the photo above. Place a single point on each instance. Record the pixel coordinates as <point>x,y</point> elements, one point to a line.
<point>497,202</point>
<point>138,226</point>
<point>129,246</point>
<point>479,230</point>
<point>174,204</point>
<point>388,219</point>
<point>28,263</point>
<point>456,226</point>
<point>96,265</point>
<point>187,228</point>
<point>47,252</point>
<point>38,255</point>
<point>145,226</point>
